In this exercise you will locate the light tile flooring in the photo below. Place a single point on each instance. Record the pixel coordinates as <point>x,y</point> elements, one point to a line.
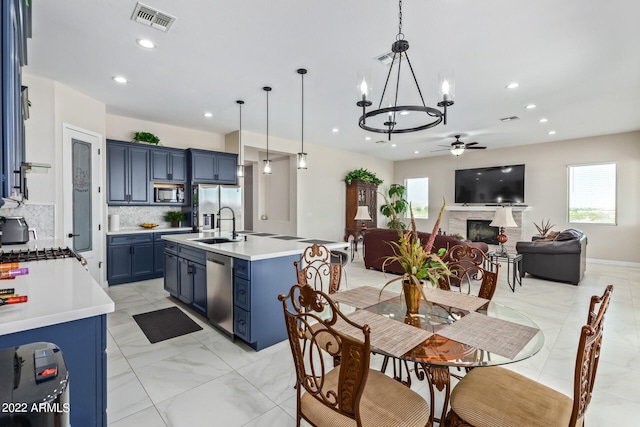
<point>205,379</point>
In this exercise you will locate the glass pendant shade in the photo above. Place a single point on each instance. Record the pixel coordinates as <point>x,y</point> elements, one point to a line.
<point>302,160</point>
<point>447,86</point>
<point>240,168</point>
<point>456,151</point>
<point>266,169</point>
<point>240,171</point>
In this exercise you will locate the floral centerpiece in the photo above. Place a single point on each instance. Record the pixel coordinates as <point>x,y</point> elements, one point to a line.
<point>420,264</point>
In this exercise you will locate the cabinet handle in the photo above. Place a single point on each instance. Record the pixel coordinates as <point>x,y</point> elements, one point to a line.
<point>241,292</point>
<point>241,322</point>
<point>170,176</point>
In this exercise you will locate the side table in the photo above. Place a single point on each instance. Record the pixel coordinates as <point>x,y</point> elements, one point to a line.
<point>514,264</point>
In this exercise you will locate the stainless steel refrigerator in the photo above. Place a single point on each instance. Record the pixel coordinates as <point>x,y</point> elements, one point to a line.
<point>210,198</point>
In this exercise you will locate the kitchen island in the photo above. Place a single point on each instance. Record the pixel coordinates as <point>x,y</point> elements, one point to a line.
<point>67,307</point>
<point>236,284</point>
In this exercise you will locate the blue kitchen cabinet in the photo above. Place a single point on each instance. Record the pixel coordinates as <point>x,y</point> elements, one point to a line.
<point>213,167</point>
<point>199,277</point>
<point>127,173</point>
<point>168,165</point>
<point>130,257</point>
<point>191,286</point>
<point>171,273</point>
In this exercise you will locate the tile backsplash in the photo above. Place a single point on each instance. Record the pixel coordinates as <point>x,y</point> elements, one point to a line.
<point>132,216</point>
<point>38,217</point>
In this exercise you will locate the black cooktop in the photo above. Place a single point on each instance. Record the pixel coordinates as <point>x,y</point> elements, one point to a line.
<point>26,255</point>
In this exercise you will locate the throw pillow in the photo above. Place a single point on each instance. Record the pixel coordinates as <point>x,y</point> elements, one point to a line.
<point>569,234</point>
<point>552,235</point>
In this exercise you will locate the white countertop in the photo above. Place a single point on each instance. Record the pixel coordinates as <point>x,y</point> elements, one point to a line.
<point>59,291</point>
<point>254,248</point>
<point>148,230</point>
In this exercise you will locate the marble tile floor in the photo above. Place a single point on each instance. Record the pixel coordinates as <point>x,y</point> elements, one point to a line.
<point>205,379</point>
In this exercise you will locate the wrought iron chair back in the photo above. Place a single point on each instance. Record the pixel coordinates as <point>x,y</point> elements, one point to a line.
<point>319,268</point>
<point>469,264</point>
<point>304,309</point>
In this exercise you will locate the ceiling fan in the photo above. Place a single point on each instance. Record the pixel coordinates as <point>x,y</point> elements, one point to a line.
<point>457,147</point>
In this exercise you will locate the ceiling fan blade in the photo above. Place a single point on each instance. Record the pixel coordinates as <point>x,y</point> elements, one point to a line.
<point>471,143</point>
<point>476,148</point>
<point>440,145</point>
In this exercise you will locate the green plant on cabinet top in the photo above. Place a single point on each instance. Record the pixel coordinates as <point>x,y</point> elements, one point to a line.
<point>146,137</point>
<point>363,175</point>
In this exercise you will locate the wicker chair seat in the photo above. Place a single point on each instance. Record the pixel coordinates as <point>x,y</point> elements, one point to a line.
<point>385,402</point>
<point>498,397</point>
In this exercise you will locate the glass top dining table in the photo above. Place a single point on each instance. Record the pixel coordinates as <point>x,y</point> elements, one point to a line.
<point>438,350</point>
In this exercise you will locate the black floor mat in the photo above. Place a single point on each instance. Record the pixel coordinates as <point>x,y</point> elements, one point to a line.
<point>164,324</point>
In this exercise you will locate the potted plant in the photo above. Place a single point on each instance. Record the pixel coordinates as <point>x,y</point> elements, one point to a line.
<point>174,217</point>
<point>420,265</point>
<point>544,227</point>
<point>146,137</point>
<point>363,175</point>
<point>393,208</point>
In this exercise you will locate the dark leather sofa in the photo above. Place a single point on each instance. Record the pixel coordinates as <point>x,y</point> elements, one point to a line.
<point>562,259</point>
<point>376,250</point>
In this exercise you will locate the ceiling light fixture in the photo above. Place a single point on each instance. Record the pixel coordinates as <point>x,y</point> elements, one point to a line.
<point>530,106</point>
<point>457,148</point>
<point>367,138</point>
<point>120,79</point>
<point>335,130</point>
<point>267,163</point>
<point>207,114</point>
<point>543,120</point>
<point>148,44</point>
<point>302,156</point>
<point>240,169</point>
<point>433,116</point>
<point>512,85</point>
<point>552,132</point>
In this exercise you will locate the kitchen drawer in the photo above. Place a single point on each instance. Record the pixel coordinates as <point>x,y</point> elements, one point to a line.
<point>241,293</point>
<point>171,247</point>
<point>192,254</point>
<point>158,235</point>
<point>242,323</point>
<point>127,239</point>
<point>241,268</point>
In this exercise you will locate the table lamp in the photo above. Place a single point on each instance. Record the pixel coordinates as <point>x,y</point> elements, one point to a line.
<point>363,215</point>
<point>503,218</point>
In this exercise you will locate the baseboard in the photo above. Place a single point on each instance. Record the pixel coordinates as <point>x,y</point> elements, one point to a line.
<point>613,262</point>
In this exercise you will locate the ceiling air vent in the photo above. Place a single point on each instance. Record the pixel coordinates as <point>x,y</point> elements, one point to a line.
<point>509,119</point>
<point>154,18</point>
<point>386,58</point>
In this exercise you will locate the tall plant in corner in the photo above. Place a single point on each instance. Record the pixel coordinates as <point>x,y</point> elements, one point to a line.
<point>395,206</point>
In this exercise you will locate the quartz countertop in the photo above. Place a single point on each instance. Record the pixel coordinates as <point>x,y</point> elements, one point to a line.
<point>148,230</point>
<point>254,247</point>
<point>59,291</point>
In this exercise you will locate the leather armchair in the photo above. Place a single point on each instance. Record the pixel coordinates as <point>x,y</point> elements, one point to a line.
<point>562,259</point>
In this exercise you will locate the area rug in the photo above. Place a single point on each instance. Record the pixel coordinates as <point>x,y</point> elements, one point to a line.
<point>160,325</point>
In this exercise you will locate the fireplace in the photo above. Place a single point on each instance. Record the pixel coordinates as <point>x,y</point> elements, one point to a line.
<point>479,230</point>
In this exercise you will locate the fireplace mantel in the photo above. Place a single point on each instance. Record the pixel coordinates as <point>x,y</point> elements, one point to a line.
<point>458,216</point>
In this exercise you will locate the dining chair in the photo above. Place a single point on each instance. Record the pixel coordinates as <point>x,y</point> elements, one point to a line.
<point>319,268</point>
<point>494,396</point>
<point>350,394</point>
<point>467,265</point>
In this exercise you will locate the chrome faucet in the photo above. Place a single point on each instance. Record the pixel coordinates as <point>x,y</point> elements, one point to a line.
<point>234,233</point>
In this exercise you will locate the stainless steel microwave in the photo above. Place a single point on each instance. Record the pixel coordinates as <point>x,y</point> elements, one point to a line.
<point>168,194</point>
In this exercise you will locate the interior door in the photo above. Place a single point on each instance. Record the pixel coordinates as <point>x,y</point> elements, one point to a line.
<point>83,198</point>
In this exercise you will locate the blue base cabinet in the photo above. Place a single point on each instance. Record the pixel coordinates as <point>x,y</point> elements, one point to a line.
<point>257,313</point>
<point>185,275</point>
<point>83,343</point>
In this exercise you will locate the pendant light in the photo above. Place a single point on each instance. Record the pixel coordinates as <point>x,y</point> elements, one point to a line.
<point>240,170</point>
<point>302,156</point>
<point>267,163</point>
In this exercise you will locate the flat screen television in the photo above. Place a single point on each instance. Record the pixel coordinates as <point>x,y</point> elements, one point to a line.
<point>492,185</point>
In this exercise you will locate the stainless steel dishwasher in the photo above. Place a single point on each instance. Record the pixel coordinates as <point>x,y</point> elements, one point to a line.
<point>220,291</point>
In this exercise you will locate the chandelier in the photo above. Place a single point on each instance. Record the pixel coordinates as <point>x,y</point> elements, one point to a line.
<point>392,112</point>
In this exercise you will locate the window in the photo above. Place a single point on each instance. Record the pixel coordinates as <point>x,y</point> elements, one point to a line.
<point>418,196</point>
<point>592,193</point>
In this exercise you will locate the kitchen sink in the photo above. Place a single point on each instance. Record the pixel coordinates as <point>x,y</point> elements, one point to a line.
<point>214,240</point>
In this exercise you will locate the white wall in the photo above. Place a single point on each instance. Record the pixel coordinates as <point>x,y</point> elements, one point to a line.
<point>546,186</point>
<point>123,129</point>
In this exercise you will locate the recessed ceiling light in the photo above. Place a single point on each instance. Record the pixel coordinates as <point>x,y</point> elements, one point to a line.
<point>416,152</point>
<point>543,120</point>
<point>368,138</point>
<point>404,113</point>
<point>146,43</point>
<point>552,132</point>
<point>393,145</point>
<point>512,85</point>
<point>207,114</point>
<point>334,130</point>
<point>120,79</point>
<point>530,106</point>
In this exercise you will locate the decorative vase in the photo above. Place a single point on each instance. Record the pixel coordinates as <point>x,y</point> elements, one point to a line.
<point>412,296</point>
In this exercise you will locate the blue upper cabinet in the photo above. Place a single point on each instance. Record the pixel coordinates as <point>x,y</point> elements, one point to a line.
<point>127,173</point>
<point>15,28</point>
<point>213,167</point>
<point>168,165</point>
